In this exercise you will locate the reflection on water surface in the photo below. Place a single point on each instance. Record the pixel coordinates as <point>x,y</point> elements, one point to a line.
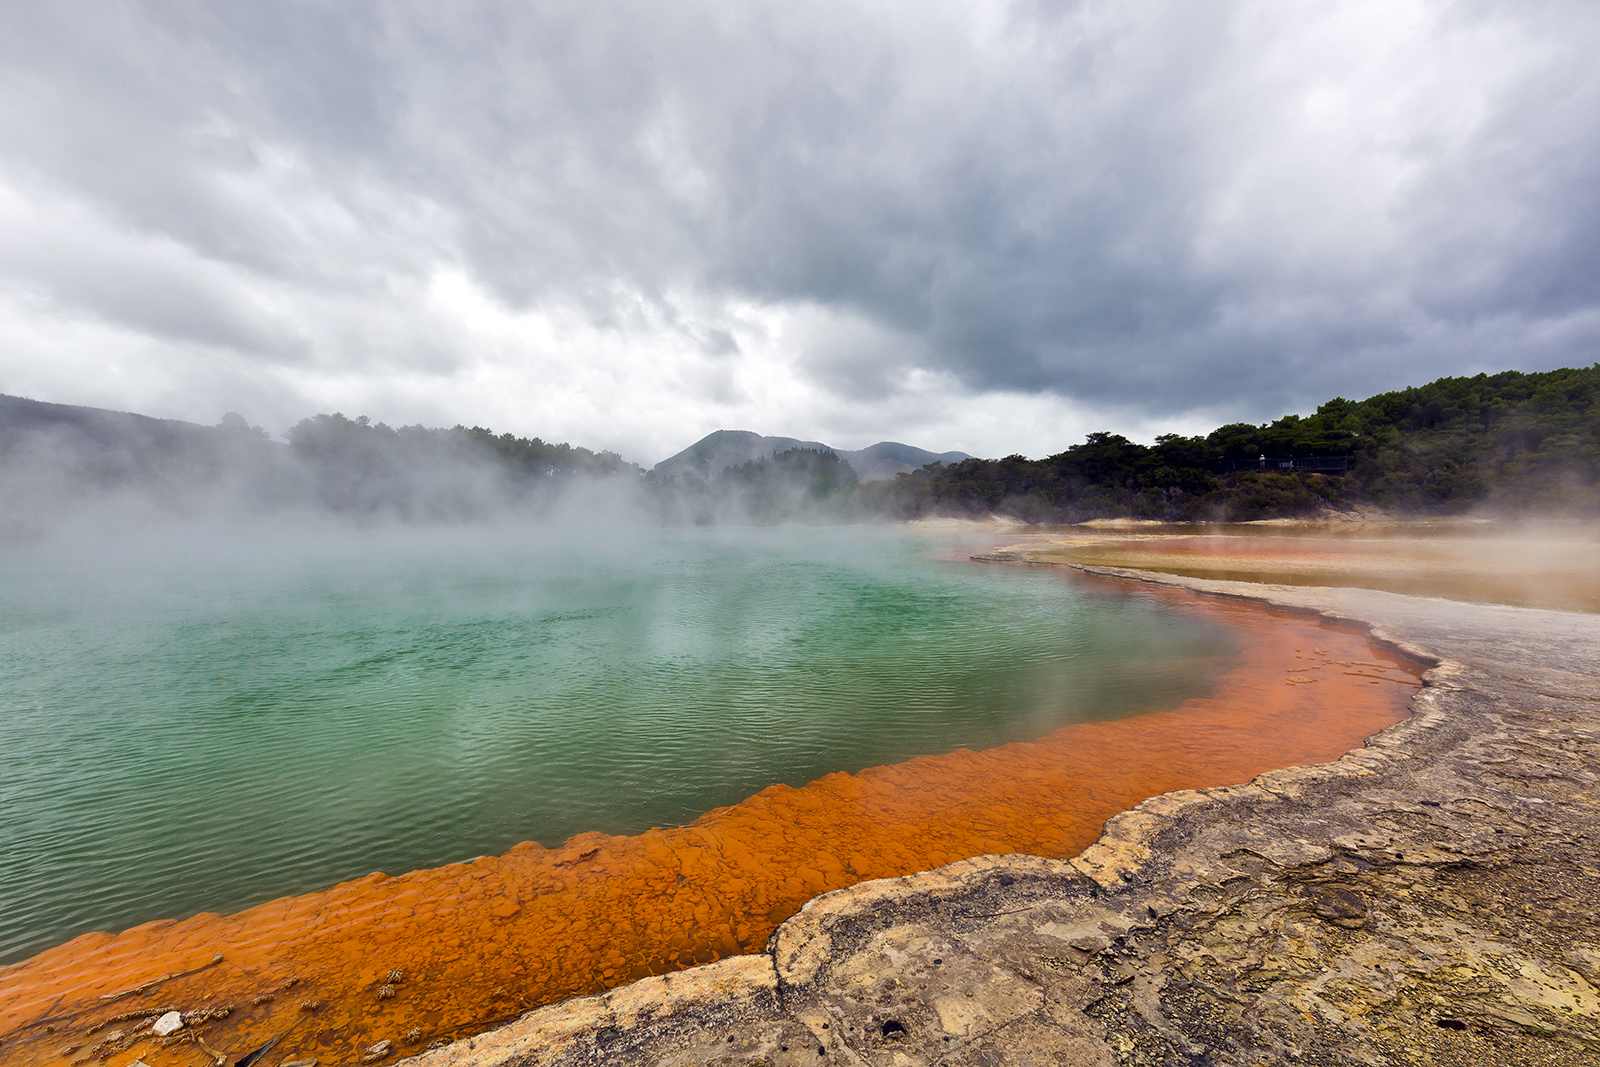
<point>204,726</point>
<point>477,943</point>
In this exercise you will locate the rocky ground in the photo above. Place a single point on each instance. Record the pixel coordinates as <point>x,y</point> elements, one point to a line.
<point>1428,899</point>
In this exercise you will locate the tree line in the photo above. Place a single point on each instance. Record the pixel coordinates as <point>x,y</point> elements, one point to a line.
<point>1511,442</point>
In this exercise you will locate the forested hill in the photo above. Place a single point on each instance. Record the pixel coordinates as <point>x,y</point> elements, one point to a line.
<point>1508,442</point>
<point>56,459</point>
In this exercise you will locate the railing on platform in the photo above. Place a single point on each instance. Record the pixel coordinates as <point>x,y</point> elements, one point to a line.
<point>1338,464</point>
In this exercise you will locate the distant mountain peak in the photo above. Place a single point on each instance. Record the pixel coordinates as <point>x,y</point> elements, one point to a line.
<point>721,449</point>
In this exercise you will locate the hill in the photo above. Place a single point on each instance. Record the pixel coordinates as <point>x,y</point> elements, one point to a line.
<point>95,427</point>
<point>889,458</point>
<point>715,452</point>
<point>1510,443</point>
<point>56,459</point>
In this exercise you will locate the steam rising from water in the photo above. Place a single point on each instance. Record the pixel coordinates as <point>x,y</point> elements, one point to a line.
<point>200,722</point>
<point>63,467</point>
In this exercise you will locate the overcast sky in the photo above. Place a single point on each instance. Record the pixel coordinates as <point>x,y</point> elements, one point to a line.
<point>964,225</point>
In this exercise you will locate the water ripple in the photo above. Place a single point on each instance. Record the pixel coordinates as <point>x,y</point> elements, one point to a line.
<point>223,733</point>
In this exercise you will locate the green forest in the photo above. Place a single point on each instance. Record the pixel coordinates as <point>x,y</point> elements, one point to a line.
<point>363,467</point>
<point>1508,443</point>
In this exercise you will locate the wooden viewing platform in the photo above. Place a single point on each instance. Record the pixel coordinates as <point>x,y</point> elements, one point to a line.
<point>1338,464</point>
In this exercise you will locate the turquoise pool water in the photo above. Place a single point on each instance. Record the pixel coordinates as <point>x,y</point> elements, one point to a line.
<point>194,720</point>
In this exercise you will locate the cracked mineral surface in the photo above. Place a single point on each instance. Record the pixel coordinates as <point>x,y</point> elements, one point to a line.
<point>1429,898</point>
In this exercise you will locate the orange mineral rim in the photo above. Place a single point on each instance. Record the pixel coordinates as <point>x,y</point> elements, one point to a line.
<point>434,955</point>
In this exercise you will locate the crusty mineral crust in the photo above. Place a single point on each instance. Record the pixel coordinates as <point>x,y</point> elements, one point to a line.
<point>1430,898</point>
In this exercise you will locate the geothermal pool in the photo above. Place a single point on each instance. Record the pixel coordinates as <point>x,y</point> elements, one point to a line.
<point>202,724</point>
<point>207,728</point>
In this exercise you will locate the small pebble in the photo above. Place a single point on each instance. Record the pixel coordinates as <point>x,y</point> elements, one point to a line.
<point>169,1023</point>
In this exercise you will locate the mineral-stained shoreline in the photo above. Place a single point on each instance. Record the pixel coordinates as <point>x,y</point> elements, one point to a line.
<point>1430,898</point>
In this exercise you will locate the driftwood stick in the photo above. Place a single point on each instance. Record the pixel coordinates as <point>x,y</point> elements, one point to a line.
<point>219,1057</point>
<point>164,978</point>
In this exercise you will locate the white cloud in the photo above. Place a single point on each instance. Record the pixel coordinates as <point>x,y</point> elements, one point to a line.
<point>986,226</point>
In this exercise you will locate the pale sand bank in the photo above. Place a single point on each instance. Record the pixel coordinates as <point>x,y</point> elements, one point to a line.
<point>1551,566</point>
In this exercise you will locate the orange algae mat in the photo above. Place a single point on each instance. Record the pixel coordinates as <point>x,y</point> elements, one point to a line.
<point>447,952</point>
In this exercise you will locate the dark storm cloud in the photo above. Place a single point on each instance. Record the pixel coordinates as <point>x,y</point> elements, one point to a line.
<point>1159,208</point>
